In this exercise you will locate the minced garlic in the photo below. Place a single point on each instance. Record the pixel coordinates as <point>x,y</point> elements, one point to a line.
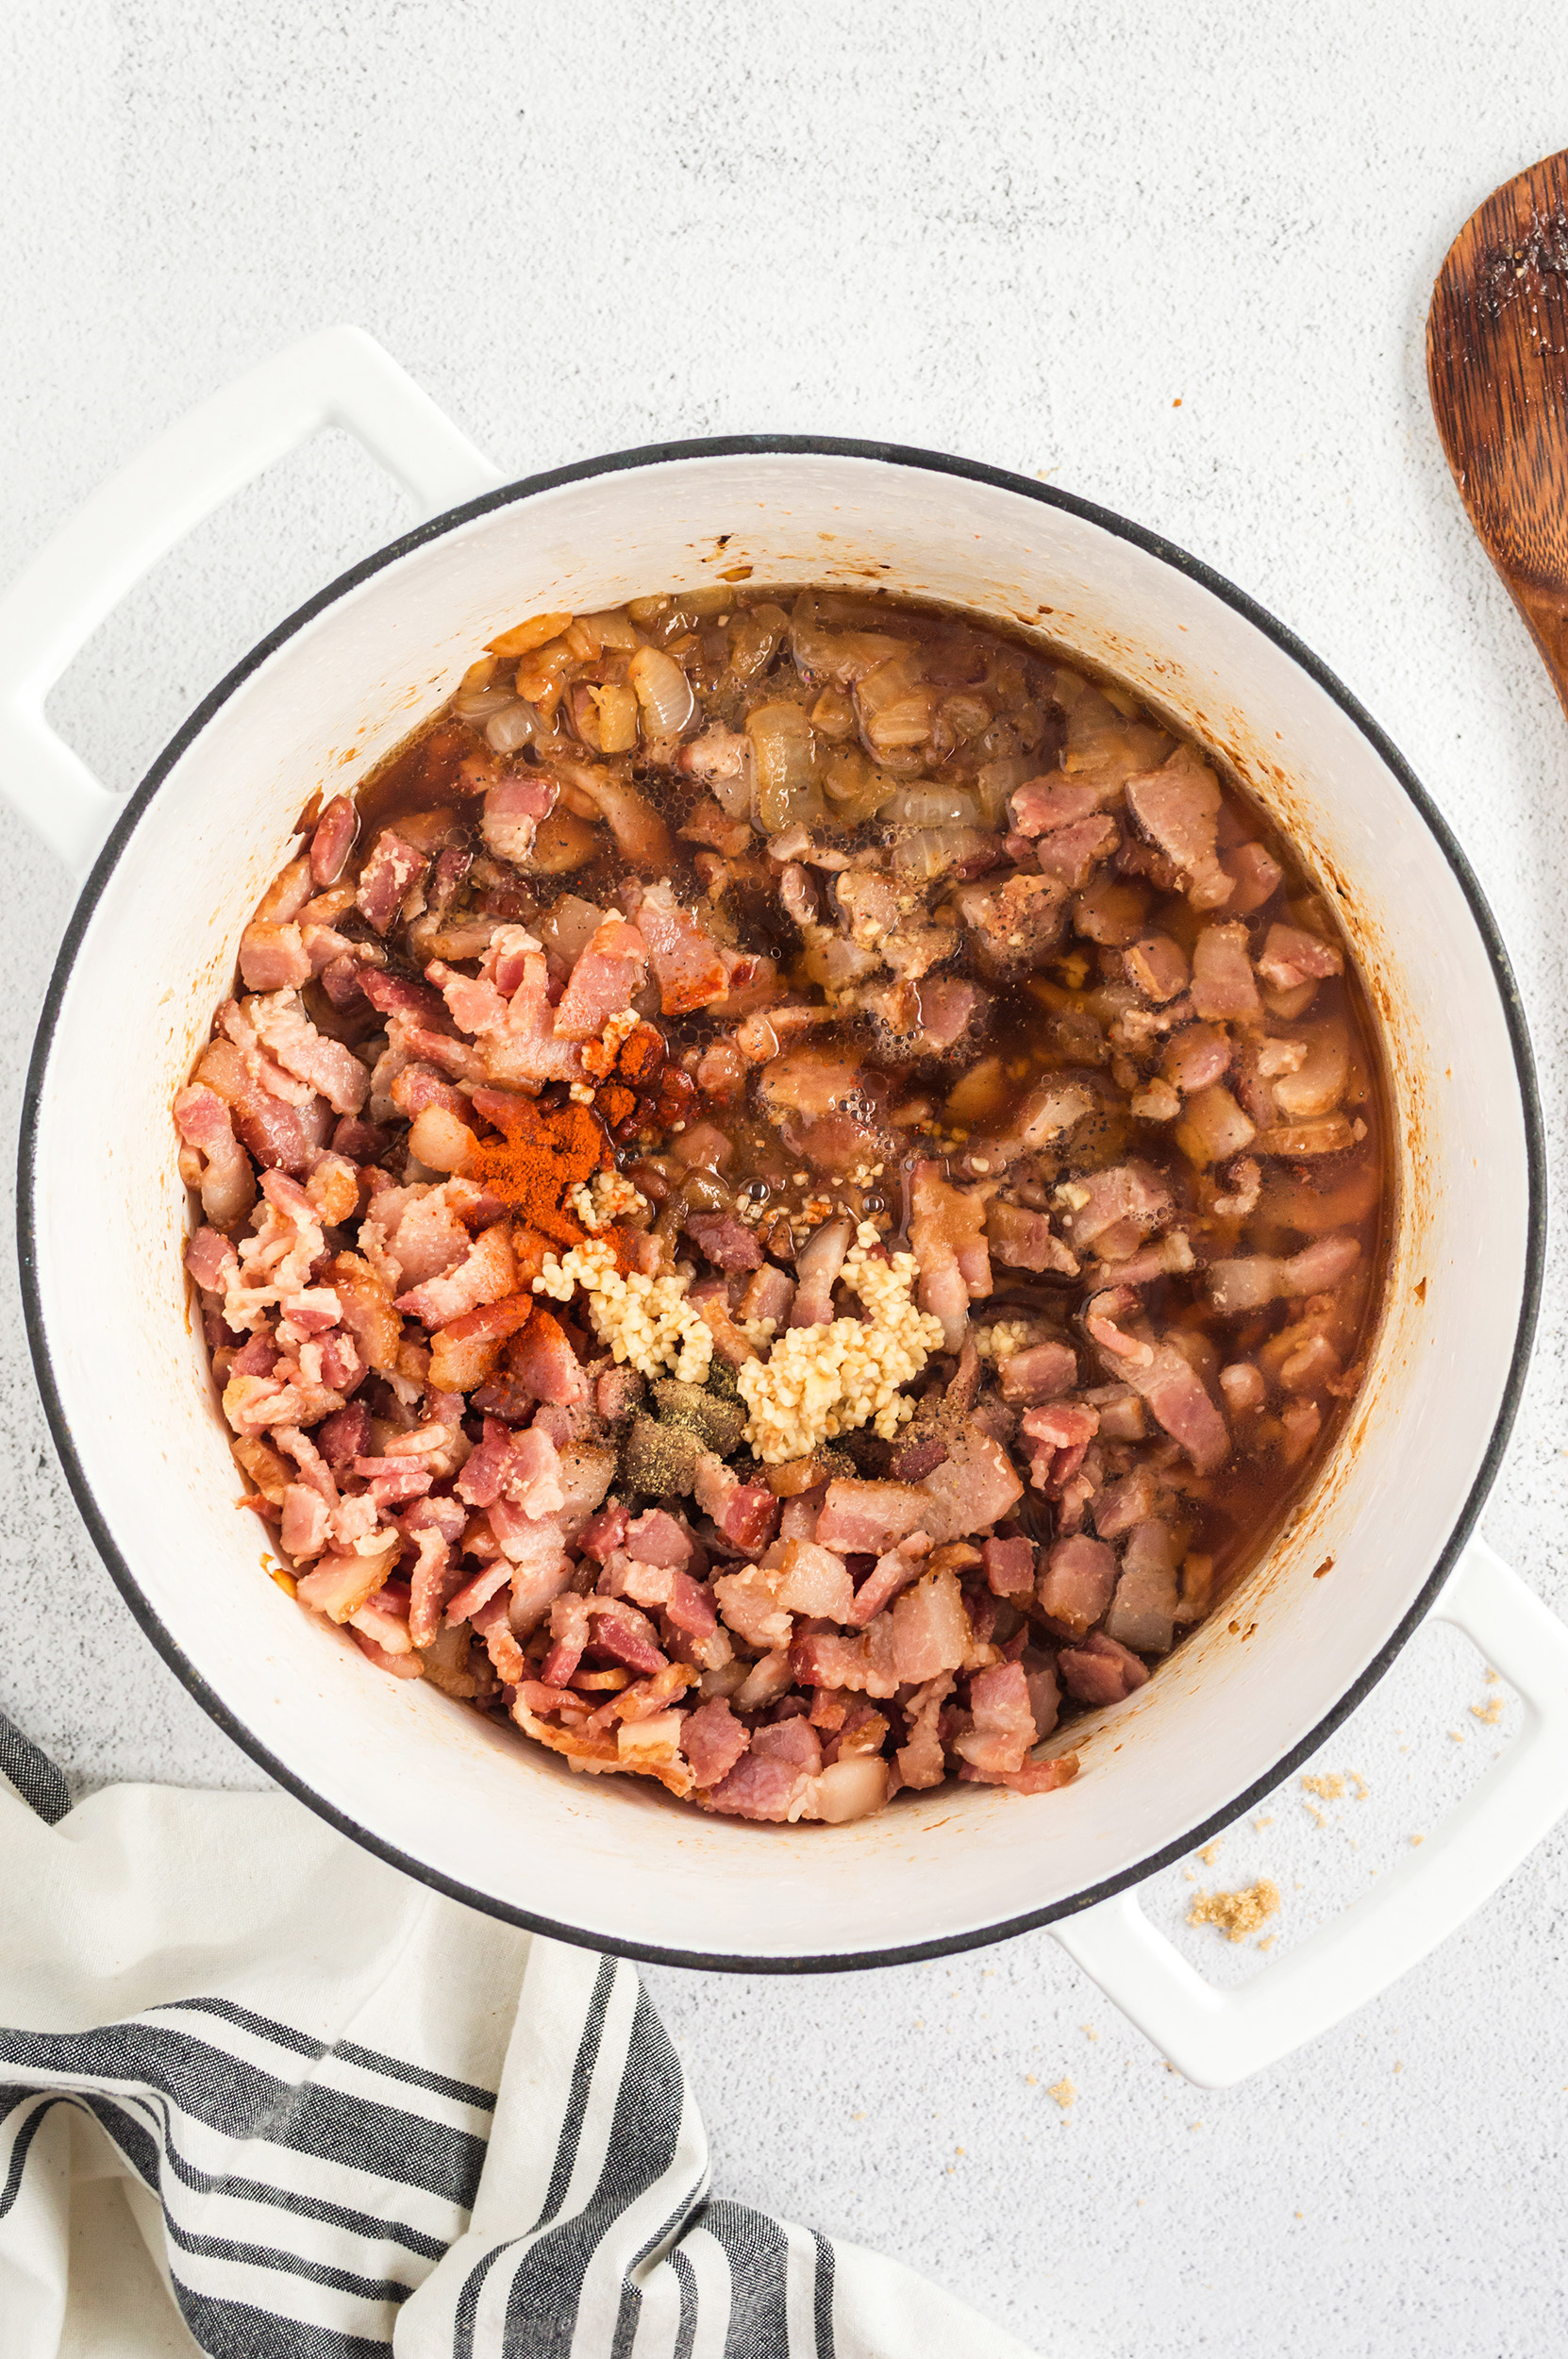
<point>819,1382</point>
<point>608,1197</point>
<point>644,1320</point>
<point>1001,1341</point>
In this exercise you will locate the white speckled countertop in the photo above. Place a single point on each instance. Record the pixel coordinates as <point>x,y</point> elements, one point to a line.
<point>1177,261</point>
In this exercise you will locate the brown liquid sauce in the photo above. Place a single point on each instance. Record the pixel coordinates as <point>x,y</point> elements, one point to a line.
<point>1046,1023</point>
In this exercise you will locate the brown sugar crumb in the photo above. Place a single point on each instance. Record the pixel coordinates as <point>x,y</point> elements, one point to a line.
<point>1237,1914</point>
<point>1267,1942</point>
<point>1063,2092</point>
<point>1362,1789</point>
<point>1210,1852</point>
<point>1491,1711</point>
<point>1329,1788</point>
<point>1458,1735</point>
<point>1418,1838</point>
<point>1089,2032</point>
<point>1261,1822</point>
<point>1314,1813</point>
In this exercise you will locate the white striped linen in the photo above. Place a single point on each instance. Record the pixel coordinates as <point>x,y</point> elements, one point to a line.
<point>263,2097</point>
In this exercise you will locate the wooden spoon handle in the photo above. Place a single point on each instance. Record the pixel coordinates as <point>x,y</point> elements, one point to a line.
<point>1497,366</point>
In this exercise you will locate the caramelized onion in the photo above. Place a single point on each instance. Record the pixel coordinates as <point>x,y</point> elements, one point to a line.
<point>932,807</point>
<point>784,752</point>
<point>663,691</point>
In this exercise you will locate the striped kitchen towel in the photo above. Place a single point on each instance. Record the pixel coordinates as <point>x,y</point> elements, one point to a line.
<point>263,2096</point>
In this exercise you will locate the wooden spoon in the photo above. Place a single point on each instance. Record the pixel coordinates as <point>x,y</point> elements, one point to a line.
<point>1497,368</point>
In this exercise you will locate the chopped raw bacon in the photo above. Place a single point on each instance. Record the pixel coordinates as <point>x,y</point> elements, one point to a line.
<point>714,1741</point>
<point>1179,807</point>
<point>212,1262</point>
<point>274,958</point>
<point>392,869</point>
<point>948,1240</point>
<point>1143,1613</point>
<point>931,1629</point>
<point>1291,957</point>
<point>730,1245</point>
<point>606,978</point>
<point>543,1362</point>
<point>656,1538</point>
<point>1099,1671</point>
<point>686,961</point>
<point>1004,1730</point>
<point>1075,1587</point>
<point>745,1512</point>
<point>286,1032</point>
<point>974,1487</point>
<point>227,1181</point>
<point>1042,1372</point>
<point>1008,1566</point>
<point>921,1761</point>
<point>484,1275</point>
<point>888,1576</point>
<point>863,1517</point>
<point>333,839</point>
<point>513,808</point>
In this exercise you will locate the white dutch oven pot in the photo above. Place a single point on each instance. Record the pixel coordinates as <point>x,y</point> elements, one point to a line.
<point>1382,1540</point>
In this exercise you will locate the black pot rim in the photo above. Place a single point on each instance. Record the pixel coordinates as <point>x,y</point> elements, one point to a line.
<point>725,446</point>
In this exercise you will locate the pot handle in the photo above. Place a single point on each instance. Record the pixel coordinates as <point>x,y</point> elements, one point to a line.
<point>1218,2037</point>
<point>339,376</point>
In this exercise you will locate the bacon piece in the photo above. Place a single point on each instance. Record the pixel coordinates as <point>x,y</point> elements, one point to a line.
<point>1008,1566</point>
<point>330,844</point>
<point>605,1532</point>
<point>306,1522</point>
<point>1013,927</point>
<point>930,1629</point>
<point>212,1262</point>
<point>571,1628</point>
<point>1063,1429</point>
<point>866,1517</point>
<point>865,1664</point>
<point>1197,1057</point>
<point>1004,1731</point>
<point>284,1028</point>
<point>491,1622</point>
<point>1178,807</point>
<point>1143,1613</point>
<point>513,808</point>
<point>341,1584</point>
<point>485,1275</point>
<point>974,1487</point>
<point>281,1134</point>
<point>607,977</point>
<point>921,1762</point>
<point>891,1573</point>
<point>1291,957</point>
<point>543,1361</point>
<point>1026,1240</point>
<point>1042,1372</point>
<point>1046,803</point>
<point>1071,854</point>
<point>1256,877</point>
<point>745,1512</point>
<point>688,1606</point>
<point>728,1244</point>
<point>656,1538</point>
<point>1123,1205</point>
<point>817,1267</point>
<point>227,1182</point>
<point>1177,1394</point>
<point>1100,1672</point>
<point>714,1741</point>
<point>1036,1776</point>
<point>435,1527</point>
<point>463,1352</point>
<point>768,1296</point>
<point>1254,1279</point>
<point>392,869</point>
<point>1224,988</point>
<point>427,1237</point>
<point>273,958</point>
<point>756,1788</point>
<point>1076,1586</point>
<point>948,1238</point>
<point>1158,967</point>
<point>625,1635</point>
<point>686,961</point>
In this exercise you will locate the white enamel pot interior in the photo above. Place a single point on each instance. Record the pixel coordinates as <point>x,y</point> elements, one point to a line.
<point>468,1804</point>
